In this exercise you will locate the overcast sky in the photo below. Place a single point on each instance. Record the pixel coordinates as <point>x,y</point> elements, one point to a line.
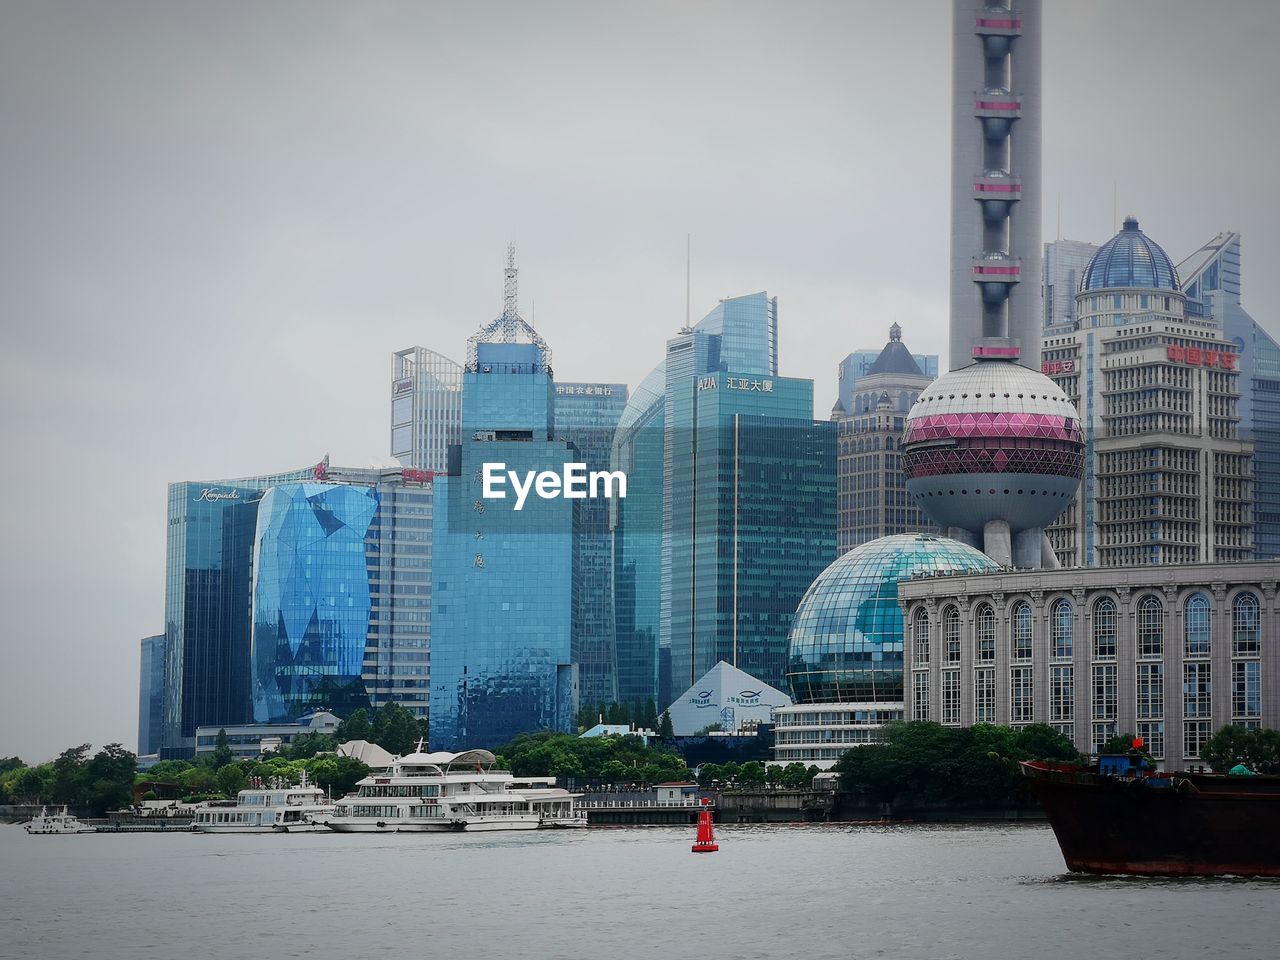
<point>218,221</point>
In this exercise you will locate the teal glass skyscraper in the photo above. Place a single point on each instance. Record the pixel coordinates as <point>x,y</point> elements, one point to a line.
<point>503,660</point>
<point>636,525</point>
<point>753,498</point>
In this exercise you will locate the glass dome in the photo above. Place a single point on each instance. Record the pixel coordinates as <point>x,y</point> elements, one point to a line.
<point>846,638</point>
<point>1130,259</point>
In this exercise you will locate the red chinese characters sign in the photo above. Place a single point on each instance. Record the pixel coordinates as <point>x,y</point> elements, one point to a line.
<point>1202,357</point>
<point>1052,367</point>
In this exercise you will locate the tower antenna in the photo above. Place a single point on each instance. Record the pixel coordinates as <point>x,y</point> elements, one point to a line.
<point>688,272</point>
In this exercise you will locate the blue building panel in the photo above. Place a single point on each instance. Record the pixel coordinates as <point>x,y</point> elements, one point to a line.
<point>311,600</point>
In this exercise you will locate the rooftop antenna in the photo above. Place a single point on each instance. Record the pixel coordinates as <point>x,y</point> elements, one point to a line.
<point>689,247</point>
<point>509,290</point>
<point>1059,214</point>
<point>1115,190</point>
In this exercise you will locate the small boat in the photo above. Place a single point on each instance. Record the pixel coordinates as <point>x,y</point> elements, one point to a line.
<point>1122,817</point>
<point>439,792</point>
<point>276,806</point>
<point>57,823</point>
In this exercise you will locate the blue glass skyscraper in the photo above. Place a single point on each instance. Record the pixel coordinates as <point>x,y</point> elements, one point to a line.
<point>311,600</point>
<point>150,694</point>
<point>637,539</point>
<point>586,415</point>
<point>753,519</point>
<point>503,660</point>
<point>207,590</point>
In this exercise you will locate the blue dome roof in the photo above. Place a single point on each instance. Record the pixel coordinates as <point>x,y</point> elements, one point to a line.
<point>846,638</point>
<point>1130,259</point>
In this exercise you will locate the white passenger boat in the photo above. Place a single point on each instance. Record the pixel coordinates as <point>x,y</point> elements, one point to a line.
<point>272,807</point>
<point>56,823</point>
<point>428,792</point>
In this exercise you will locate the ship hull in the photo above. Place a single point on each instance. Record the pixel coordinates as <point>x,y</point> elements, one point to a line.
<point>1181,826</point>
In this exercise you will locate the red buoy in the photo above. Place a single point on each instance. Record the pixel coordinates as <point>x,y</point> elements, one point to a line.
<point>706,842</point>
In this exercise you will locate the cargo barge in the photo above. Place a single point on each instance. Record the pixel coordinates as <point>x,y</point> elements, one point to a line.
<point>1122,817</point>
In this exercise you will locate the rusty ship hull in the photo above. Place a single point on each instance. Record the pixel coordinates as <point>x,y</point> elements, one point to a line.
<point>1161,825</point>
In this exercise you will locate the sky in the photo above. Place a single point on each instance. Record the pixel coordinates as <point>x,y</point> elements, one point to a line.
<point>219,221</point>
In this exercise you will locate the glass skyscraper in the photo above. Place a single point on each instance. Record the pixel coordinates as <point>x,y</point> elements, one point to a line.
<point>426,408</point>
<point>207,589</point>
<point>311,600</point>
<point>503,660</point>
<point>753,520</point>
<point>150,694</point>
<point>1211,281</point>
<point>637,539</point>
<point>586,415</point>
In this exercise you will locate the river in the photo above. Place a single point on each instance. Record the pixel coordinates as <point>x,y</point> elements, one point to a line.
<point>808,892</point>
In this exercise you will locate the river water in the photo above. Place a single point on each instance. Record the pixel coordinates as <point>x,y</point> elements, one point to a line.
<point>808,892</point>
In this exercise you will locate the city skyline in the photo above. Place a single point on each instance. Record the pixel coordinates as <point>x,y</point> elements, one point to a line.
<point>206,303</point>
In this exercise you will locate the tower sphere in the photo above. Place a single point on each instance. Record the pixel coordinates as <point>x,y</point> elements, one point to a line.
<point>992,441</point>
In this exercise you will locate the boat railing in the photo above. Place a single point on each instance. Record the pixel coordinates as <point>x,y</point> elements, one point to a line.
<point>642,803</point>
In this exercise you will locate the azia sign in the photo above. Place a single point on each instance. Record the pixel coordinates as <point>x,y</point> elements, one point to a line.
<point>572,483</point>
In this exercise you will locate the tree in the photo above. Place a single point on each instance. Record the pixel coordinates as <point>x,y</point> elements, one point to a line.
<point>396,729</point>
<point>338,775</point>
<point>306,745</point>
<point>1259,750</point>
<point>69,780</point>
<point>231,779</point>
<point>109,778</point>
<point>30,784</point>
<point>665,730</point>
<point>222,754</point>
<point>10,763</point>
<point>355,727</point>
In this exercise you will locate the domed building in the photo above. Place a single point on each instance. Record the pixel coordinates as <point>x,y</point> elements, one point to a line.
<point>1157,385</point>
<point>845,661</point>
<point>993,452</point>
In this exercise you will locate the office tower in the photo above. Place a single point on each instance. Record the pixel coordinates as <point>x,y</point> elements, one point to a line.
<point>311,600</point>
<point>208,559</point>
<point>1064,265</point>
<point>995,177</point>
<point>859,363</point>
<point>397,655</point>
<point>753,519</point>
<point>586,415</point>
<point>636,526</point>
<point>739,334</point>
<point>1211,282</point>
<point>150,695</point>
<point>426,408</point>
<point>1167,478</point>
<point>872,492</point>
<point>502,657</point>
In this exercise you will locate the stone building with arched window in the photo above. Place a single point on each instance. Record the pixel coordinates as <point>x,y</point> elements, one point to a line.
<point>1171,653</point>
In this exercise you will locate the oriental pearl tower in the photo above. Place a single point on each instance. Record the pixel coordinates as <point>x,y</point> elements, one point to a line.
<point>993,450</point>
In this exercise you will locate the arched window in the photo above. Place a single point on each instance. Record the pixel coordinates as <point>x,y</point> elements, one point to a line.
<point>920,637</point>
<point>1020,646</point>
<point>1196,625</point>
<point>951,634</point>
<point>1062,626</point>
<point>1104,629</point>
<point>1150,628</point>
<point>984,650</point>
<point>1244,626</point>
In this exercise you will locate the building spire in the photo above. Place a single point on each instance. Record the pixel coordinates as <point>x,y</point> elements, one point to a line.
<point>510,285</point>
